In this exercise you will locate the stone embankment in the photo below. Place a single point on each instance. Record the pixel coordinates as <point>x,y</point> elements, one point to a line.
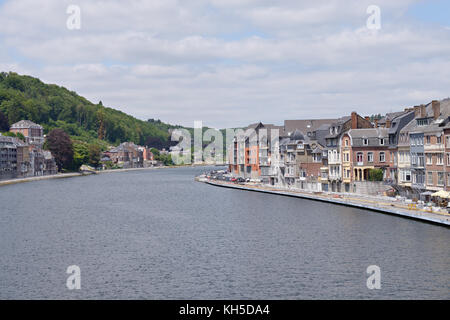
<point>385,205</point>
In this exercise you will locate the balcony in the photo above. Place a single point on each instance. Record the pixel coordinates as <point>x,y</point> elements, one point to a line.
<point>334,160</point>
<point>434,147</point>
<point>335,176</point>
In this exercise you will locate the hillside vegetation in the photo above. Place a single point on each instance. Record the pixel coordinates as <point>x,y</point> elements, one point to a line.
<point>52,106</point>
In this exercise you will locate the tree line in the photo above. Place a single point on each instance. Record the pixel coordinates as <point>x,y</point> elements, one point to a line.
<point>90,127</point>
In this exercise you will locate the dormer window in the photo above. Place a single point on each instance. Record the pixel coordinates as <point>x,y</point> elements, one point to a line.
<point>365,141</point>
<point>381,142</point>
<point>422,122</point>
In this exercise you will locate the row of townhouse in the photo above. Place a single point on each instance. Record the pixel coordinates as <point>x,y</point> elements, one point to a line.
<point>410,147</point>
<point>424,150</point>
<point>20,159</point>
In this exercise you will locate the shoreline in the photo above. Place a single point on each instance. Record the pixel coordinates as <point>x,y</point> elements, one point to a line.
<point>360,203</point>
<point>80,174</point>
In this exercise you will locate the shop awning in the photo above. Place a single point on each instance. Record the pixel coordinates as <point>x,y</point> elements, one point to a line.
<point>441,194</point>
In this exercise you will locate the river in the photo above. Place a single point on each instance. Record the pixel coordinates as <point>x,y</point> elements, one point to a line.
<point>158,234</point>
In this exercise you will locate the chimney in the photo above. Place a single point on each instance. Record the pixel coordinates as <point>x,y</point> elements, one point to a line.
<point>367,118</point>
<point>375,122</point>
<point>354,120</point>
<point>388,123</point>
<point>423,111</point>
<point>436,105</point>
<point>416,111</point>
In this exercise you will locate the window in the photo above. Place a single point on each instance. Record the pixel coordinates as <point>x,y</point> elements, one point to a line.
<point>365,141</point>
<point>429,158</point>
<point>382,157</point>
<point>447,141</point>
<point>428,139</point>
<point>440,159</point>
<point>429,177</point>
<point>407,176</point>
<point>347,173</point>
<point>448,179</point>
<point>381,142</point>
<point>346,142</point>
<point>370,156</point>
<point>439,140</point>
<point>420,160</point>
<point>317,157</point>
<point>359,157</point>
<point>346,157</point>
<point>448,159</point>
<point>440,181</point>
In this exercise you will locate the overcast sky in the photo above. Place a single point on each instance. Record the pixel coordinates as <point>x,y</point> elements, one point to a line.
<point>234,62</point>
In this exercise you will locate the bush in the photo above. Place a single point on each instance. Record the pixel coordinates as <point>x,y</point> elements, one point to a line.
<point>375,175</point>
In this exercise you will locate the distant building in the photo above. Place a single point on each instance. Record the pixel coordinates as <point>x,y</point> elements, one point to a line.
<point>8,158</point>
<point>127,155</point>
<point>33,133</point>
<point>50,166</point>
<point>364,150</point>
<point>21,159</point>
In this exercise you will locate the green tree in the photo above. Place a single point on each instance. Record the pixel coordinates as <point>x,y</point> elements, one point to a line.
<point>95,153</point>
<point>376,175</point>
<point>4,124</point>
<point>60,145</point>
<point>80,154</point>
<point>24,97</point>
<point>155,152</point>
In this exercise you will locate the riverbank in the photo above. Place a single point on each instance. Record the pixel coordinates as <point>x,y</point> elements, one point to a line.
<point>377,204</point>
<point>79,174</point>
<point>38,178</point>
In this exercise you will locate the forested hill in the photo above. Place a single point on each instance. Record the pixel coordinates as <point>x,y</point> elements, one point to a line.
<point>52,106</point>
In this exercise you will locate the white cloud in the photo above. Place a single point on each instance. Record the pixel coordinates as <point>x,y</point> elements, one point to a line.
<point>229,63</point>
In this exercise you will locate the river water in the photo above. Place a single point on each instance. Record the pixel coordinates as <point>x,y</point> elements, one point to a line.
<point>158,234</point>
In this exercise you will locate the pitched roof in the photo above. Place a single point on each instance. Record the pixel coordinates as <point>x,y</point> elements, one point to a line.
<point>306,126</point>
<point>369,133</point>
<point>391,116</point>
<point>25,124</point>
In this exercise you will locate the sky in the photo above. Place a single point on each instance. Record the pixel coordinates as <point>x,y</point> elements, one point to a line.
<point>230,63</point>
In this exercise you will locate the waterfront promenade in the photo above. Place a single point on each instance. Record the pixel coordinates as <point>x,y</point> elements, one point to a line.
<point>385,205</point>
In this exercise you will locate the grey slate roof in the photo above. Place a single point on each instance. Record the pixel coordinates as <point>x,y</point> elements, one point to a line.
<point>306,126</point>
<point>339,123</point>
<point>25,124</point>
<point>369,133</point>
